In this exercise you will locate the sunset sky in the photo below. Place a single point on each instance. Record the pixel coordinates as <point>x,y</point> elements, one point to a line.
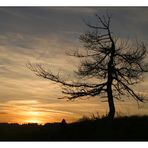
<point>43,35</point>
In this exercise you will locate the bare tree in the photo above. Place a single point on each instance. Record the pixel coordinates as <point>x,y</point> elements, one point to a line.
<point>113,64</point>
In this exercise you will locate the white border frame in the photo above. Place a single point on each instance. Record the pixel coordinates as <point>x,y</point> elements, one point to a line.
<point>73,3</point>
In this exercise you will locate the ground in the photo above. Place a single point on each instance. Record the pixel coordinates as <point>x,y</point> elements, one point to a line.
<point>132,128</point>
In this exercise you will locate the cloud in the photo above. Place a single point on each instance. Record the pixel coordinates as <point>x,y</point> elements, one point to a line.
<point>43,35</point>
<point>2,112</point>
<point>33,109</point>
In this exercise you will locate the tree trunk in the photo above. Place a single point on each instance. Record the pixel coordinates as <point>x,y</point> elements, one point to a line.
<point>111,113</point>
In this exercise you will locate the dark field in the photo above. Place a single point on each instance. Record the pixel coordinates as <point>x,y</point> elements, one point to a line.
<point>120,129</point>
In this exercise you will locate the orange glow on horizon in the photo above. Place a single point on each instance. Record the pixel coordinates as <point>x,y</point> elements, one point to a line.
<point>33,121</point>
<point>31,111</point>
<point>25,117</point>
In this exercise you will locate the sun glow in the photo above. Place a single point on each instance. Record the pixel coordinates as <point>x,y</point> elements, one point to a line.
<point>33,113</point>
<point>33,117</point>
<point>33,121</point>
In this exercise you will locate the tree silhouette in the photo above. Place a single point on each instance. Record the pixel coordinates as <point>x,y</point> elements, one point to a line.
<point>109,66</point>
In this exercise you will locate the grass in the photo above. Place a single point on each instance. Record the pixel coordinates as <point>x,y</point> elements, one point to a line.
<point>133,128</point>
